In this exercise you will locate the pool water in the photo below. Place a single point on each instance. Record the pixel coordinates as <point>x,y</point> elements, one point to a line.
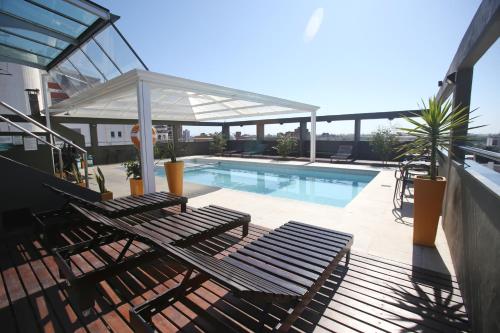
<point>322,186</point>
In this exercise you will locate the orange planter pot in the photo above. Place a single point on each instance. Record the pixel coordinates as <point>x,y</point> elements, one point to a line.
<point>175,176</point>
<point>107,196</point>
<point>427,209</point>
<point>82,184</point>
<point>136,187</point>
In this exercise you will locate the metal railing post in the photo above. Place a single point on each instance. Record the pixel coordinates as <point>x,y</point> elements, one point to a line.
<point>86,170</point>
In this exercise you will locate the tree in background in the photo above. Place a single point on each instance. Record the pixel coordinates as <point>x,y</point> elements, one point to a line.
<point>383,142</point>
<point>218,144</point>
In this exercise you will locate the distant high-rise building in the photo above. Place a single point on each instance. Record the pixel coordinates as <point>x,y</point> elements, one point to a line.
<point>186,135</point>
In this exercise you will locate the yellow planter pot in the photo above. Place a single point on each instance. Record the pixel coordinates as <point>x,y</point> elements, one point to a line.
<point>107,196</point>
<point>136,187</point>
<point>427,206</point>
<point>175,176</point>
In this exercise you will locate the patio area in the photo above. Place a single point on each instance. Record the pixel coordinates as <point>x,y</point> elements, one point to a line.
<point>379,229</point>
<point>376,294</point>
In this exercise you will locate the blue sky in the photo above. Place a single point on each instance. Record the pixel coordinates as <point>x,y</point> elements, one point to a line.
<point>344,56</point>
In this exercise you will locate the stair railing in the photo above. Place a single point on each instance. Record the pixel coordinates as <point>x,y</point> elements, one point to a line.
<point>36,123</point>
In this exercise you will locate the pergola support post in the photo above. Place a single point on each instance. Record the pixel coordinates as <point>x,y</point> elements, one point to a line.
<point>46,98</point>
<point>146,136</point>
<point>461,98</point>
<point>312,158</point>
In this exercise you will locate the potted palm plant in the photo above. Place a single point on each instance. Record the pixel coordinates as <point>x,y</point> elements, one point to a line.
<point>101,182</point>
<point>174,170</point>
<point>133,170</point>
<point>432,131</point>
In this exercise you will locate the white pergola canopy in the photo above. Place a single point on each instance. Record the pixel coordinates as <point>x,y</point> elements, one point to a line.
<point>174,98</point>
<point>147,96</point>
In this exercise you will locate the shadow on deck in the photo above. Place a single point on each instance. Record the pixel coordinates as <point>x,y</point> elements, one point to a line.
<point>374,294</point>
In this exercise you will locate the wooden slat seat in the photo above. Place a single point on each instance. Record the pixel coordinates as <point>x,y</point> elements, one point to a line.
<point>181,230</point>
<point>285,265</point>
<point>126,205</point>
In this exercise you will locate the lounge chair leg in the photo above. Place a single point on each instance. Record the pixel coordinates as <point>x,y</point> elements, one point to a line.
<point>245,230</point>
<point>347,258</point>
<point>125,249</point>
<point>183,207</point>
<point>263,315</point>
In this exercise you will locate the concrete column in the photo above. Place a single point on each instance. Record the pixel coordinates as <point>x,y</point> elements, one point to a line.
<point>461,98</point>
<point>225,131</point>
<point>176,133</point>
<point>313,137</point>
<point>94,139</point>
<point>302,136</point>
<point>357,136</point>
<point>146,136</point>
<point>260,131</point>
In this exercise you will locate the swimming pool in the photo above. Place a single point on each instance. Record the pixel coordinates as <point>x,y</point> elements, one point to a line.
<point>335,187</point>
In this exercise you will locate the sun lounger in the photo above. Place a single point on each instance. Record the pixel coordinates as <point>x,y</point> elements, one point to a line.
<point>287,266</point>
<point>344,153</point>
<point>181,229</point>
<point>126,205</point>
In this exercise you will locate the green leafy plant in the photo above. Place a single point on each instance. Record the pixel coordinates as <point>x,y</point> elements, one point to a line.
<point>133,169</point>
<point>285,144</point>
<point>383,142</point>
<point>170,151</point>
<point>101,181</point>
<point>434,130</point>
<point>218,145</point>
<point>75,173</point>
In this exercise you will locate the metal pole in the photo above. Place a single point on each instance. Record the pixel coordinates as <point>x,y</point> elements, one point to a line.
<point>86,170</point>
<point>46,96</point>
<point>61,171</point>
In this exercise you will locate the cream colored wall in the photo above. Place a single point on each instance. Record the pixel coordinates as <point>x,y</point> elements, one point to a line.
<point>12,87</point>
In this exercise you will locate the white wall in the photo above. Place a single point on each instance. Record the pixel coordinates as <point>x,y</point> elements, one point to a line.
<point>83,129</point>
<point>12,86</point>
<point>104,135</point>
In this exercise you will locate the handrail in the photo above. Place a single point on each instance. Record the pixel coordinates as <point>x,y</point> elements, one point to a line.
<point>69,142</point>
<point>59,150</point>
<point>481,152</point>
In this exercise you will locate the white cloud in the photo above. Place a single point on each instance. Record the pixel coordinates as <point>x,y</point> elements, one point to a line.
<point>313,25</point>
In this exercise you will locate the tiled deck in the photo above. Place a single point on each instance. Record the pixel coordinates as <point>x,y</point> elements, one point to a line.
<point>373,295</point>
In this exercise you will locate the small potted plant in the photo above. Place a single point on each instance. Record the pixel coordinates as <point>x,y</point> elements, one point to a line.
<point>432,131</point>
<point>174,170</point>
<point>133,170</point>
<point>105,194</point>
<point>77,176</point>
<point>285,145</point>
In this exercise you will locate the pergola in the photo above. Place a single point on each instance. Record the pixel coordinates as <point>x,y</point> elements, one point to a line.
<point>148,96</point>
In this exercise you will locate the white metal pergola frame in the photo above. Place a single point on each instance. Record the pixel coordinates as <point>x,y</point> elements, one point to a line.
<point>141,83</point>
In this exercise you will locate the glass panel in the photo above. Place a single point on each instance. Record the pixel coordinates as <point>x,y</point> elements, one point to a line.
<point>67,9</point>
<point>100,60</point>
<point>69,79</point>
<point>41,16</point>
<point>50,41</point>
<point>116,48</point>
<point>28,45</point>
<point>29,57</point>
<point>85,67</point>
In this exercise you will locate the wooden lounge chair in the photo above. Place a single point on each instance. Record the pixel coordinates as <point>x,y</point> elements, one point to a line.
<point>181,229</point>
<point>127,205</point>
<point>287,266</point>
<point>344,153</point>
